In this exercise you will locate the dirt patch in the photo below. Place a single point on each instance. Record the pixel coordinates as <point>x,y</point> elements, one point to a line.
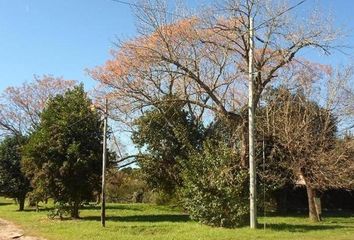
<point>9,231</point>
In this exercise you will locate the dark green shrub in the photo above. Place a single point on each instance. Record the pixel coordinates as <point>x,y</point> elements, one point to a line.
<point>60,210</point>
<point>216,187</point>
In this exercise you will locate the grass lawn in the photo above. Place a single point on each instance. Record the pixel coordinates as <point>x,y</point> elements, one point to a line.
<point>142,221</point>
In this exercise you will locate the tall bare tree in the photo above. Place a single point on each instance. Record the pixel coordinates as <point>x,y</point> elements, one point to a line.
<point>306,136</point>
<point>203,59</point>
<point>20,107</point>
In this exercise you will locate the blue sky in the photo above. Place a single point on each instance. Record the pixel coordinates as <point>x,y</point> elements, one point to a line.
<point>58,37</point>
<point>65,37</point>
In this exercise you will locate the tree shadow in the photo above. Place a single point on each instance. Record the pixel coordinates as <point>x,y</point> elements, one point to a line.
<point>143,218</point>
<point>41,209</point>
<point>304,214</point>
<point>5,203</point>
<point>300,227</point>
<point>31,210</point>
<point>339,214</point>
<point>112,207</point>
<point>300,214</point>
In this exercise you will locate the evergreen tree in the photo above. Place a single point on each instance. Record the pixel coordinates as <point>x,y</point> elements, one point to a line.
<point>13,182</point>
<point>166,135</point>
<point>63,157</point>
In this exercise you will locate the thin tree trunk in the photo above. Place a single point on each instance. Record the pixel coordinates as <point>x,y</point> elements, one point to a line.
<point>98,198</point>
<point>318,205</point>
<point>311,194</point>
<point>75,210</point>
<point>21,203</point>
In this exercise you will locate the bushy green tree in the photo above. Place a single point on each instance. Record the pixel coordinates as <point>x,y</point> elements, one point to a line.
<point>166,135</point>
<point>13,182</point>
<point>63,156</point>
<point>216,186</point>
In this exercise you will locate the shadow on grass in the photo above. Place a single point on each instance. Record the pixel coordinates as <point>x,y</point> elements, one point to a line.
<point>284,227</point>
<point>143,218</point>
<point>340,214</point>
<point>41,209</point>
<point>112,207</point>
<point>304,214</point>
<point>5,203</point>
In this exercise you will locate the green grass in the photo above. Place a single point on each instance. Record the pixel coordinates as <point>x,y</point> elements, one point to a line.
<point>145,222</point>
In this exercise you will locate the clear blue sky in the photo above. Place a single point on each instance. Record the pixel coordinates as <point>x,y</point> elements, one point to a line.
<point>58,37</point>
<point>65,37</point>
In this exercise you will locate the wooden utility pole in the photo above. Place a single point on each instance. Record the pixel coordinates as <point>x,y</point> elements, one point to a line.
<point>252,165</point>
<point>104,161</point>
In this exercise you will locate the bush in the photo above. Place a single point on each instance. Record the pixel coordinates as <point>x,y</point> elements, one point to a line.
<point>128,186</point>
<point>125,186</point>
<point>60,210</point>
<point>216,187</point>
<point>162,198</point>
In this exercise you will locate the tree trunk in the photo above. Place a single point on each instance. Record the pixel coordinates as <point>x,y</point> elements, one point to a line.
<point>21,203</point>
<point>318,205</point>
<point>313,212</point>
<point>75,210</point>
<point>98,198</point>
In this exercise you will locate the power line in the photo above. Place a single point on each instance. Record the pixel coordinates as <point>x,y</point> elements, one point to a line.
<point>279,14</point>
<point>173,14</point>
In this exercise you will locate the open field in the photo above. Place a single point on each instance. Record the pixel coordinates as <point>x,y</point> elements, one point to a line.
<point>142,221</point>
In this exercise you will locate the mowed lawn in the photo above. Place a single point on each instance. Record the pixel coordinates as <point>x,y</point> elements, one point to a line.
<point>143,221</point>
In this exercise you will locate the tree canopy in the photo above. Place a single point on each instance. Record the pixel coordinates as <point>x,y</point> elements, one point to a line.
<point>166,135</point>
<point>13,182</point>
<point>302,144</point>
<point>63,156</point>
<point>21,106</point>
